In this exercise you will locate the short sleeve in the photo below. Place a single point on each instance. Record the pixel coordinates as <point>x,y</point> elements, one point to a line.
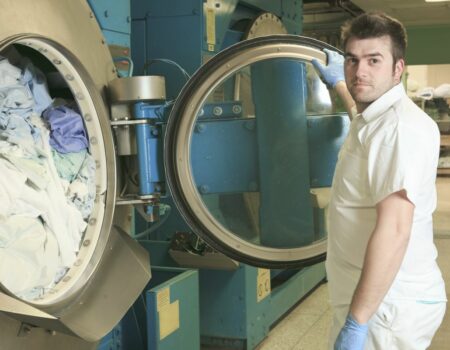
<point>397,160</point>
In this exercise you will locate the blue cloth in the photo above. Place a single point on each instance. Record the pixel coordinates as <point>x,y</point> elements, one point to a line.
<point>35,80</point>
<point>67,132</point>
<point>333,72</point>
<point>352,336</point>
<point>69,164</point>
<point>15,98</point>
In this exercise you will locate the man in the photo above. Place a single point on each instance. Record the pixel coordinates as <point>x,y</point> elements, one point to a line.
<point>385,286</point>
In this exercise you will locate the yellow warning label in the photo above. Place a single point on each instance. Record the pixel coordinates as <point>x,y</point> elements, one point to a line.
<point>262,284</point>
<point>210,28</point>
<point>169,319</point>
<point>162,298</point>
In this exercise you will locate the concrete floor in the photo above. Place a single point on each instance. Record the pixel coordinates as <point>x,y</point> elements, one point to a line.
<point>307,326</point>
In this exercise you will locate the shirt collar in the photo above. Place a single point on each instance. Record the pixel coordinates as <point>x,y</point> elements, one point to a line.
<point>383,103</point>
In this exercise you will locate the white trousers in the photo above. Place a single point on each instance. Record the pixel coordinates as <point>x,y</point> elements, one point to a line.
<point>399,325</point>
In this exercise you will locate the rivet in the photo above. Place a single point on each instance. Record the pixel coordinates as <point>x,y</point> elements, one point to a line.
<point>249,125</point>
<point>200,128</point>
<point>204,189</point>
<point>217,111</point>
<point>237,109</point>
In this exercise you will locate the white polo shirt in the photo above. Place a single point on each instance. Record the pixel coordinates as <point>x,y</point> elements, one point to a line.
<point>393,145</point>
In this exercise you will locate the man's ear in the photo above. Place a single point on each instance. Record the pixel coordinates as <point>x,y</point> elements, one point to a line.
<point>399,67</point>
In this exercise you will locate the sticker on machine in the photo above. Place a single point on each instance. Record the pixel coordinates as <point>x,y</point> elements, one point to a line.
<point>168,313</point>
<point>262,284</point>
<point>169,319</point>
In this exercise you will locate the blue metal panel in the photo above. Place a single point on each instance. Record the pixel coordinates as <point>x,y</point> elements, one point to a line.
<point>133,332</point>
<point>112,341</point>
<point>293,290</point>
<point>223,310</point>
<point>139,328</point>
<point>162,8</point>
<point>223,156</point>
<point>113,16</point>
<point>116,38</point>
<point>139,44</point>
<point>150,149</point>
<point>159,253</point>
<point>230,315</point>
<point>231,38</point>
<point>279,96</point>
<point>289,11</point>
<point>326,134</point>
<point>183,288</point>
<point>266,5</point>
<point>291,15</point>
<point>168,24</point>
<point>174,224</point>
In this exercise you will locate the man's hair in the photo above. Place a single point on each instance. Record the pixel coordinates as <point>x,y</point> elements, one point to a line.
<point>375,25</point>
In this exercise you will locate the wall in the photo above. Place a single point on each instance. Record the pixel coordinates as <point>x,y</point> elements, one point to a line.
<point>430,75</point>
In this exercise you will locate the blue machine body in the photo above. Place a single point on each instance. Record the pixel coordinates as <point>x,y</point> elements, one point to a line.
<point>148,139</point>
<point>189,32</point>
<point>114,19</point>
<point>280,99</point>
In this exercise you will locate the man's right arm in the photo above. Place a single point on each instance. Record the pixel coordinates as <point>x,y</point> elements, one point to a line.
<point>346,98</point>
<point>333,75</point>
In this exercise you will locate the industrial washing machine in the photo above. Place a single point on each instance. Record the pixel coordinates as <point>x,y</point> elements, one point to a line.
<point>230,179</point>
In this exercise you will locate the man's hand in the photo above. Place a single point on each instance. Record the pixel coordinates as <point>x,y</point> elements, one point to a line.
<point>352,336</point>
<point>333,72</point>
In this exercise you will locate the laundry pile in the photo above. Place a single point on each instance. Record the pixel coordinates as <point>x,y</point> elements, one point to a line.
<point>47,182</point>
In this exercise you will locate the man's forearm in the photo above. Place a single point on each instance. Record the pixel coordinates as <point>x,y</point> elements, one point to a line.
<point>384,255</point>
<point>346,98</point>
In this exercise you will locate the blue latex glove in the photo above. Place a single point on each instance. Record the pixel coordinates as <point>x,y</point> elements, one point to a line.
<point>333,72</point>
<point>352,336</point>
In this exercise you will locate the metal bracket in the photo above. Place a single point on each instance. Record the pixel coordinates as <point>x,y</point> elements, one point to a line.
<point>190,251</point>
<point>127,122</point>
<point>136,199</point>
<point>25,329</point>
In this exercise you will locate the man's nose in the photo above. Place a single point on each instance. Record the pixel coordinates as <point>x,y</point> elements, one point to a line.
<point>361,69</point>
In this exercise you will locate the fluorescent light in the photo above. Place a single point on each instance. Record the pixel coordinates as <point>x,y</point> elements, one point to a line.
<point>437,0</point>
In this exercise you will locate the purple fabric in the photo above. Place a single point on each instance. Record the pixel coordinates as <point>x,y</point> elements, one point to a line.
<point>67,132</point>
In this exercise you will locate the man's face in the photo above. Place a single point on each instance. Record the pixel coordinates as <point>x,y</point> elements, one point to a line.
<point>369,70</point>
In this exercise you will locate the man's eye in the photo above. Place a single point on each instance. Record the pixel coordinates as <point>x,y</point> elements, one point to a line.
<point>374,60</point>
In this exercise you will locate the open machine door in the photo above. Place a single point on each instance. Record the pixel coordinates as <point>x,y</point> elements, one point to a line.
<point>250,150</point>
<point>85,288</point>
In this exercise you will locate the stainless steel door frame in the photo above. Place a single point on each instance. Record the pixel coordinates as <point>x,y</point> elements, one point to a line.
<point>178,138</point>
<point>111,269</point>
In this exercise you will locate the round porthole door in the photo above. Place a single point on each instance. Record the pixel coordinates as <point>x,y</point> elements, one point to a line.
<point>251,172</point>
<point>63,263</point>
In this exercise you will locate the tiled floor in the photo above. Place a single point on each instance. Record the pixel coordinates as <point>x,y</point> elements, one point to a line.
<point>307,326</point>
